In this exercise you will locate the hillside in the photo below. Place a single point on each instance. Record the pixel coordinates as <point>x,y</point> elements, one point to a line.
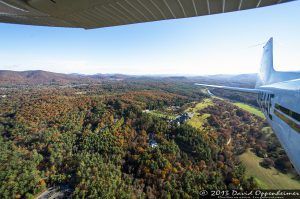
<point>267,178</point>
<point>36,77</point>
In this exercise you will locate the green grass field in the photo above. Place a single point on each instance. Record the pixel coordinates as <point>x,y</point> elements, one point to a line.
<point>250,109</point>
<point>266,178</point>
<point>198,119</point>
<point>162,115</point>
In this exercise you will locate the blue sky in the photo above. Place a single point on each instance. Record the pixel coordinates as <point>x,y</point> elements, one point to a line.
<point>215,44</point>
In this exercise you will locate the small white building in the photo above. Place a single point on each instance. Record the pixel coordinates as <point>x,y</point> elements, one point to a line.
<point>153,144</point>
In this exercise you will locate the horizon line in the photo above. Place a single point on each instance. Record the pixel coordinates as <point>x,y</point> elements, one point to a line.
<point>130,74</point>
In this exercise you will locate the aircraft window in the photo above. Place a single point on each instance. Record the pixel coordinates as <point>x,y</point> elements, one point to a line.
<point>288,112</point>
<point>288,121</point>
<point>296,116</point>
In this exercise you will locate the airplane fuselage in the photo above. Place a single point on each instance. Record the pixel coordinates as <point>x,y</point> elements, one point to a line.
<point>280,103</point>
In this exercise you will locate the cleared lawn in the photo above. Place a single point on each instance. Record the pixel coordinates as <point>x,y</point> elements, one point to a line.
<point>162,115</point>
<point>250,109</point>
<point>266,178</point>
<point>198,119</point>
<point>201,105</point>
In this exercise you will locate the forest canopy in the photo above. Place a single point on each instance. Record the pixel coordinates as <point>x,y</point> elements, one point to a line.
<point>96,141</point>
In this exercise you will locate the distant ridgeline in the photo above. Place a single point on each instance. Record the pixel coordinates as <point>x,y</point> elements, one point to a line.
<point>44,77</point>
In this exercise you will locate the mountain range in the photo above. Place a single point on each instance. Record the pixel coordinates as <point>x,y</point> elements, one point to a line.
<point>34,77</point>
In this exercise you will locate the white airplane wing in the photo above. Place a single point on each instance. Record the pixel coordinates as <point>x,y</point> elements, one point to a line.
<point>246,90</point>
<point>105,13</point>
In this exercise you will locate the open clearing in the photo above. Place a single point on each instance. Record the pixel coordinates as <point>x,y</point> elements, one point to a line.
<point>198,119</point>
<point>162,115</point>
<point>250,109</point>
<point>266,178</point>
